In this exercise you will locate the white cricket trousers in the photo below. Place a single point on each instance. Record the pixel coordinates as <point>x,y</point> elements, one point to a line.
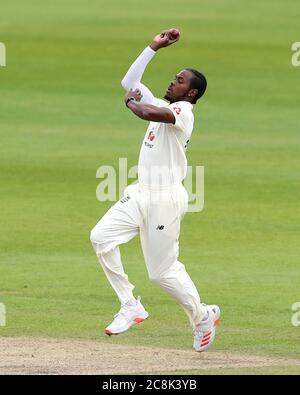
<point>156,215</point>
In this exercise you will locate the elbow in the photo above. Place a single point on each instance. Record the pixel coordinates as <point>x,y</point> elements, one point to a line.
<point>127,83</point>
<point>123,83</point>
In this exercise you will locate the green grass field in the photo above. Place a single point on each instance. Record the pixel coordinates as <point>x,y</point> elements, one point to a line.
<point>62,116</point>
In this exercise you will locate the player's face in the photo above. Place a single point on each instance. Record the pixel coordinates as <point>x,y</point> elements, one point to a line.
<point>179,87</point>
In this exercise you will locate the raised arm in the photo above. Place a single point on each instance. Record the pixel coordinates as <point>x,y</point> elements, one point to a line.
<point>133,77</point>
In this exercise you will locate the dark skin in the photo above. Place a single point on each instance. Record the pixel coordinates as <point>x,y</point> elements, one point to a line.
<point>178,90</point>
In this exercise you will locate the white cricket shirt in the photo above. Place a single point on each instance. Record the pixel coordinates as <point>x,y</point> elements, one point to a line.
<point>162,159</point>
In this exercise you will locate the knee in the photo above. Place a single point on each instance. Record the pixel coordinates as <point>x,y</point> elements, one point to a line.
<point>93,236</point>
<point>101,241</point>
<point>155,278</point>
<point>97,236</point>
<point>97,245</point>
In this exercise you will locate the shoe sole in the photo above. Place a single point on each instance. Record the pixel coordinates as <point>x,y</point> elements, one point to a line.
<point>135,321</point>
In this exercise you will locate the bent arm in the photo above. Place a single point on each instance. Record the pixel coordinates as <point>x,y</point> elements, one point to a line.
<point>132,79</point>
<point>152,113</point>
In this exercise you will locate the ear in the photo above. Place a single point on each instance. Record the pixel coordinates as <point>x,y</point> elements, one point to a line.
<point>193,92</point>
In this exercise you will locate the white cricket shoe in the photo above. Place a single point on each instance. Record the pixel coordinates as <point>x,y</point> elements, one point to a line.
<point>205,332</point>
<point>126,317</point>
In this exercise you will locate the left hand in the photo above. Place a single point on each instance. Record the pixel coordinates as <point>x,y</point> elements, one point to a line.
<point>137,94</point>
<point>163,40</point>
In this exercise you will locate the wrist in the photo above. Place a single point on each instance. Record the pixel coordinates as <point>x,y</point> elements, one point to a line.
<point>154,46</point>
<point>129,99</point>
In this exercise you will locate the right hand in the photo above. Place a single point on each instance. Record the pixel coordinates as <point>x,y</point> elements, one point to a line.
<point>137,94</point>
<point>162,40</point>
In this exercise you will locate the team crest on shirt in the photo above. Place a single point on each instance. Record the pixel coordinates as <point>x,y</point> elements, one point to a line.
<point>150,137</point>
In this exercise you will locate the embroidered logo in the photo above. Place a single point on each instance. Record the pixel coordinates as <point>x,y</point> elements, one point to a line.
<point>151,136</point>
<point>177,110</point>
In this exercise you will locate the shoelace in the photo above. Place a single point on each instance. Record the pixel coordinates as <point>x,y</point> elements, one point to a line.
<point>121,311</point>
<point>199,332</point>
<point>125,307</point>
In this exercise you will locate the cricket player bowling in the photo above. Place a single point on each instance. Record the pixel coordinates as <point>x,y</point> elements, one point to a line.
<point>155,206</point>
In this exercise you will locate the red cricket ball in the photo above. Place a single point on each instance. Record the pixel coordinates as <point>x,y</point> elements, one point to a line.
<point>173,34</point>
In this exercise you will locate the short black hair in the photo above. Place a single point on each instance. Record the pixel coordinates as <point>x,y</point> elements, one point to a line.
<point>198,82</point>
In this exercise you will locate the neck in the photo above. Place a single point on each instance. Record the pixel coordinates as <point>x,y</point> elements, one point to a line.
<point>186,98</point>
